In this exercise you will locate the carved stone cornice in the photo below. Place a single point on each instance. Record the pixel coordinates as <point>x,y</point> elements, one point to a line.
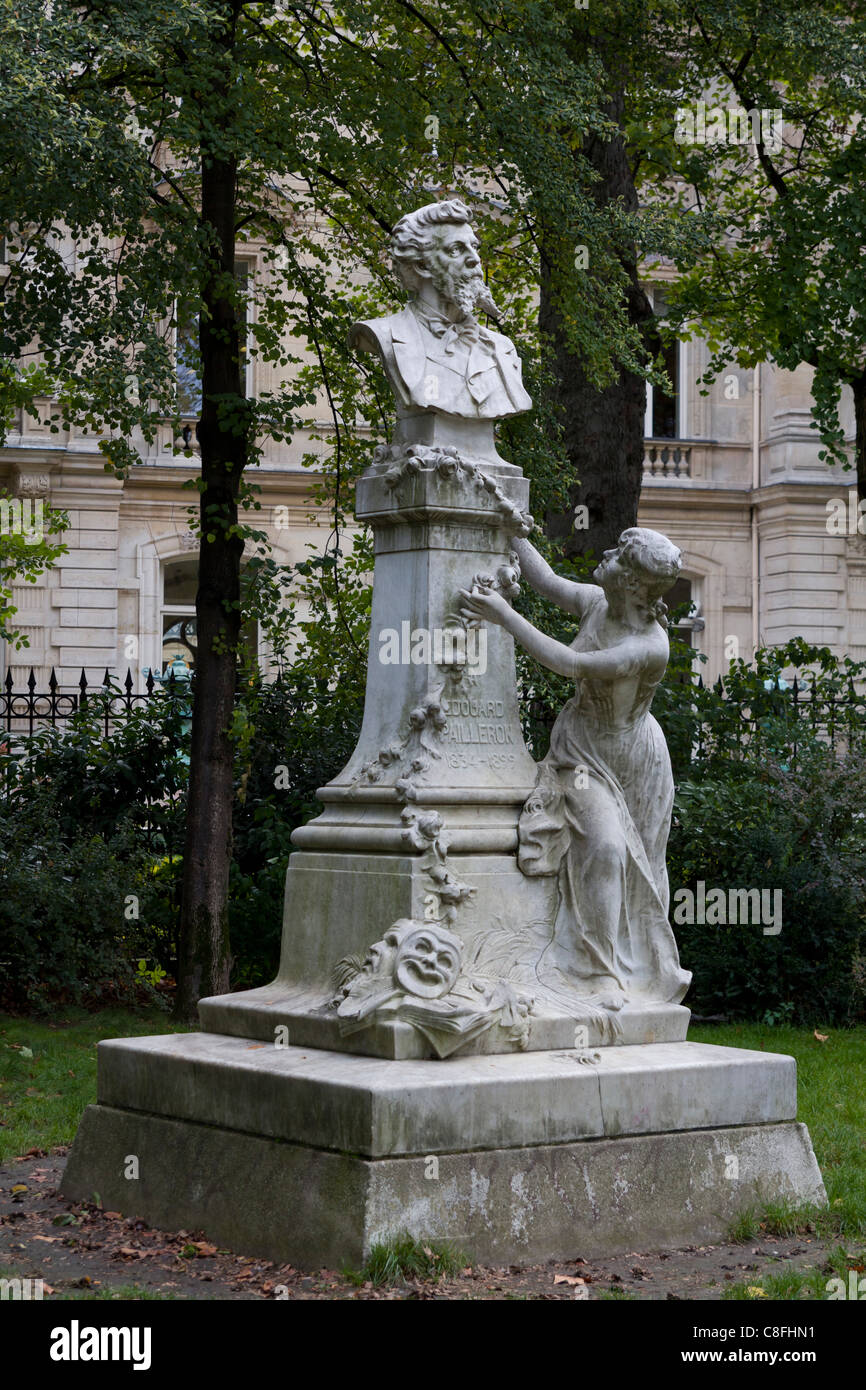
<point>30,482</point>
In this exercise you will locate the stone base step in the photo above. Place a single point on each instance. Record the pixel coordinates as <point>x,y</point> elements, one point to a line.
<point>380,1109</point>
<point>313,1209</point>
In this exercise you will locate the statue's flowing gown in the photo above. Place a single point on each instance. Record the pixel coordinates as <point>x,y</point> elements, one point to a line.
<point>599,818</point>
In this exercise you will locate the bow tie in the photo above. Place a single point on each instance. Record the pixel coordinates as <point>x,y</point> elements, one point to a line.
<point>469,333</point>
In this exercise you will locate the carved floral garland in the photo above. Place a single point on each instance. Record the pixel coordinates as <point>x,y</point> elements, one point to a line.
<point>414,974</point>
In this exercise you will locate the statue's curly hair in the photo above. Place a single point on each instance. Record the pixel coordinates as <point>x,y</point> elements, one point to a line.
<point>411,234</point>
<point>653,564</point>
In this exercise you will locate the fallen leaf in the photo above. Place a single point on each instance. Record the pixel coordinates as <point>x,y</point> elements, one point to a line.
<point>821,1037</point>
<point>49,1240</point>
<point>567,1279</point>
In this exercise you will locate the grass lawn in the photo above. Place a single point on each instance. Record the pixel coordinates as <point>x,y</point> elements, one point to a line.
<point>48,1071</point>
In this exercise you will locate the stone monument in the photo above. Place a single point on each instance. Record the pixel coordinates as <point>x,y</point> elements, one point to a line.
<point>476,1032</point>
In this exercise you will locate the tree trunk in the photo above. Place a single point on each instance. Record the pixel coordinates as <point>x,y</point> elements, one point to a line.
<point>603,430</point>
<point>204,957</point>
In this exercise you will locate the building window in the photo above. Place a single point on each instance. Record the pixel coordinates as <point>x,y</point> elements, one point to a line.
<point>180,581</point>
<point>690,622</point>
<point>664,413</point>
<point>178,620</point>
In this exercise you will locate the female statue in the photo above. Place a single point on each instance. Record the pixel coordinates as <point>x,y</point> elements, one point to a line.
<point>600,814</point>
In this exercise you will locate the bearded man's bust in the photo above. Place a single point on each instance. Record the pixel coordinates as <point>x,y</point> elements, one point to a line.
<point>436,354</point>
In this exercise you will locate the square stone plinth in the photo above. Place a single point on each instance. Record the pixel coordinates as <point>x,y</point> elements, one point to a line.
<point>380,1109</point>
<point>314,1209</point>
<point>312,1157</point>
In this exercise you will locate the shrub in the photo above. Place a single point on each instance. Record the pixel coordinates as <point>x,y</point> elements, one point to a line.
<point>797,827</point>
<point>88,820</point>
<point>302,734</point>
<point>65,932</point>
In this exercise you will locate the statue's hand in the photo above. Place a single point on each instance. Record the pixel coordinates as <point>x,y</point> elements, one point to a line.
<point>488,604</point>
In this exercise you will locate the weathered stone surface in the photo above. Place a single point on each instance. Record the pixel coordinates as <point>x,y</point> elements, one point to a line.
<point>379,1108</point>
<point>258,1014</point>
<point>255,1195</point>
<point>309,1208</point>
<point>318,929</point>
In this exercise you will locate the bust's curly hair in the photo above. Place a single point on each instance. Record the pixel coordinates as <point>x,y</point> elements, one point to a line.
<point>411,235</point>
<point>653,564</point>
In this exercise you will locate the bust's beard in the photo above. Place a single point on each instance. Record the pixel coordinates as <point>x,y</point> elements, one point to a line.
<point>486,303</point>
<point>468,293</point>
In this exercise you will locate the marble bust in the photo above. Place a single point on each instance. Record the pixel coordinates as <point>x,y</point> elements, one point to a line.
<point>436,354</point>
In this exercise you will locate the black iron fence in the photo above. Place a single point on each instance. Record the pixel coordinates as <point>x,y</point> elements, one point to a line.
<point>22,710</point>
<point>159,814</point>
<point>833,711</point>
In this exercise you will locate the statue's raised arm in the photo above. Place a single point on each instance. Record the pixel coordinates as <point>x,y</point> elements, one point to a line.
<point>600,814</point>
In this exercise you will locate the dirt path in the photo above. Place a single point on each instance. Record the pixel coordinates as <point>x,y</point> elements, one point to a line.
<point>74,1247</point>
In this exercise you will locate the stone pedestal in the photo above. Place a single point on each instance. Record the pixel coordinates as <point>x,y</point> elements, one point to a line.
<point>311,1157</point>
<point>281,1131</point>
<point>421,824</point>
